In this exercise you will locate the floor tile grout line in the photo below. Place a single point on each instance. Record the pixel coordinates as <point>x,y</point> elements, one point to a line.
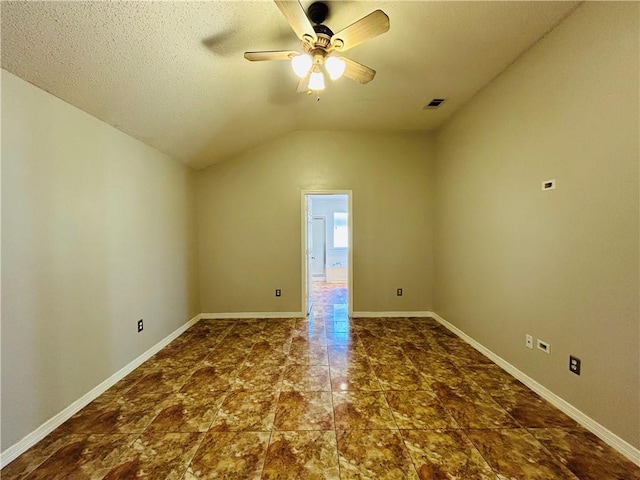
<point>85,435</point>
<point>464,433</point>
<point>472,443</point>
<point>203,434</point>
<point>493,469</point>
<point>333,412</point>
<point>195,452</point>
<point>273,425</point>
<point>402,437</point>
<point>549,451</point>
<point>29,472</point>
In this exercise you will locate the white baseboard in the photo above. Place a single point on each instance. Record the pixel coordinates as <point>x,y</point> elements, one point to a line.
<point>390,314</point>
<point>622,446</point>
<point>244,315</point>
<point>54,422</point>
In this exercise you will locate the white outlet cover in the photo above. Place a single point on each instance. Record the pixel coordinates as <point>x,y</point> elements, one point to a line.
<point>528,341</point>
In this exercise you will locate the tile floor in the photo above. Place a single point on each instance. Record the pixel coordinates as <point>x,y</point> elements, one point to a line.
<point>323,398</point>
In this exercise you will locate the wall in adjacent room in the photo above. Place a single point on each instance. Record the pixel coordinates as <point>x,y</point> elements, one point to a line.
<point>326,207</point>
<point>98,231</point>
<point>249,216</point>
<point>561,265</point>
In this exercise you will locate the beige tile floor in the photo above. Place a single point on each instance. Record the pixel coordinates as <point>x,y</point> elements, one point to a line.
<point>320,398</point>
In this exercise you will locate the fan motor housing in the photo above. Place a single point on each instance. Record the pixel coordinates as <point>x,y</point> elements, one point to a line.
<point>322,43</point>
<point>318,12</point>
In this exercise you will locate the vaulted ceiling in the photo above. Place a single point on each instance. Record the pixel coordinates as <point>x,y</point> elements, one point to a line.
<point>172,74</point>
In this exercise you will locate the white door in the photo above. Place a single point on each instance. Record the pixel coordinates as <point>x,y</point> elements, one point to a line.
<point>309,253</point>
<point>319,249</point>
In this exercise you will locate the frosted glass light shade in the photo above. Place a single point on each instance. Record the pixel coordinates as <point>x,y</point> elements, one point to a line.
<point>316,81</point>
<point>301,64</point>
<point>335,67</point>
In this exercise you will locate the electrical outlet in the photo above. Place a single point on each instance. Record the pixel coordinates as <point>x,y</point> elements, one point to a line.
<point>528,341</point>
<point>574,364</point>
<point>544,346</point>
<point>140,325</point>
<point>278,292</point>
<point>399,292</point>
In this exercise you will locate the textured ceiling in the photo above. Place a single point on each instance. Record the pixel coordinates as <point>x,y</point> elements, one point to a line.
<point>172,74</point>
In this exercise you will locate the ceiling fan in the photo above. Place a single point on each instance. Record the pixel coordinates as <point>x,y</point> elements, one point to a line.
<point>320,45</point>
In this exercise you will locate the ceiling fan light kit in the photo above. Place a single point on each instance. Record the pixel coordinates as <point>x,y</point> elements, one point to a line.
<point>319,43</point>
<point>316,81</point>
<point>335,67</point>
<point>301,64</point>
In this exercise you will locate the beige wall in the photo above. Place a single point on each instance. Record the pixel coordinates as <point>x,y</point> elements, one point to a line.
<point>561,265</point>
<point>250,220</point>
<point>98,230</point>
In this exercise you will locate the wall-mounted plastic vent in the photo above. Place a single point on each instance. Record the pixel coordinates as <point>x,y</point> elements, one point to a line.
<point>435,103</point>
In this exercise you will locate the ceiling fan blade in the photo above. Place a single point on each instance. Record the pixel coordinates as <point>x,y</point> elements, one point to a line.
<point>303,84</point>
<point>374,24</point>
<point>272,55</point>
<point>294,13</point>
<point>358,72</point>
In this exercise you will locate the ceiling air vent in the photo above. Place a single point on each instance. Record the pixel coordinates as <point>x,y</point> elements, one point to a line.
<point>435,103</point>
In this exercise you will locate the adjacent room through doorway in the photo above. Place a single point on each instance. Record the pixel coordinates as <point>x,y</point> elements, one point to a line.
<point>328,257</point>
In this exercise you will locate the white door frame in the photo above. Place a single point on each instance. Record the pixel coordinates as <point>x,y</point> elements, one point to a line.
<point>304,240</point>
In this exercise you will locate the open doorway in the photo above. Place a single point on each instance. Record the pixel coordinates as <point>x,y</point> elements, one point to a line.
<point>327,253</point>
